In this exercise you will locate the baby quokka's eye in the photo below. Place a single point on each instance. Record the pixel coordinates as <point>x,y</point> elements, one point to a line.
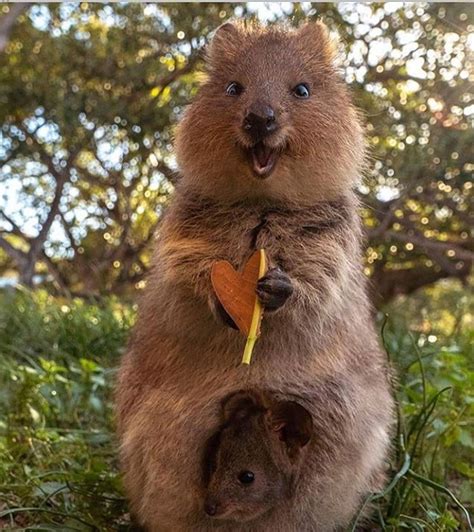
<point>246,477</point>
<point>301,91</point>
<point>234,89</point>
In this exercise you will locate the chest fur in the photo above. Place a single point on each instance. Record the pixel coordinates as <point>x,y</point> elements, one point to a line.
<point>236,232</point>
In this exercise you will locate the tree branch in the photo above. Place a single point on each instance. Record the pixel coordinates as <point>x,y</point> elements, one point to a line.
<point>18,256</point>
<point>16,229</point>
<point>386,284</point>
<point>426,243</point>
<point>8,20</point>
<point>67,230</point>
<point>57,276</point>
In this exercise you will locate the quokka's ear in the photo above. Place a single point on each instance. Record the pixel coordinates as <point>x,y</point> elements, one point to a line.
<point>294,425</point>
<point>225,43</point>
<point>240,405</point>
<point>225,32</point>
<point>316,39</point>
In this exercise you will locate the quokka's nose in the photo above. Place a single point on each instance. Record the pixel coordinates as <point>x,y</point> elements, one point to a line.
<point>260,122</point>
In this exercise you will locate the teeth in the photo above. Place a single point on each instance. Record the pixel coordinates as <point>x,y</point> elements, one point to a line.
<point>263,159</point>
<point>262,154</point>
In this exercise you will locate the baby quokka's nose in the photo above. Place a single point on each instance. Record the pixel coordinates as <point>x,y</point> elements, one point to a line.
<point>260,121</point>
<point>210,507</point>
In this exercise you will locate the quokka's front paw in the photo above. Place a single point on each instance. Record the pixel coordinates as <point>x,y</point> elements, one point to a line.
<point>274,289</point>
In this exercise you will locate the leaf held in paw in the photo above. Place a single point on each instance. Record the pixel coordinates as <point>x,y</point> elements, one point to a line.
<point>237,291</point>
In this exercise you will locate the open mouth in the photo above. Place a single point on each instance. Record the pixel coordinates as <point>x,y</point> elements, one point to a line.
<point>263,159</point>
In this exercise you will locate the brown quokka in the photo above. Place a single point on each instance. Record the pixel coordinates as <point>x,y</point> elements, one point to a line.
<point>269,151</point>
<point>252,463</point>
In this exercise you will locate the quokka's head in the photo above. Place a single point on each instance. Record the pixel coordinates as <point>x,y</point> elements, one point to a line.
<point>273,120</point>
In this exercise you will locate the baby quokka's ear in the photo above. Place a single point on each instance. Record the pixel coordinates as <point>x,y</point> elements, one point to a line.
<point>240,405</point>
<point>294,426</point>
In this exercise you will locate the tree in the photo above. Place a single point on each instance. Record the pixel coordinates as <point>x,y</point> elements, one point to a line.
<point>89,95</point>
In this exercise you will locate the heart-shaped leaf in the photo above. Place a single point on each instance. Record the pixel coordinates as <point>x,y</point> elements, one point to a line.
<point>237,291</point>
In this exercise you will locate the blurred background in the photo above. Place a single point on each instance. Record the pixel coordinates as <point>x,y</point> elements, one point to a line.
<point>89,97</point>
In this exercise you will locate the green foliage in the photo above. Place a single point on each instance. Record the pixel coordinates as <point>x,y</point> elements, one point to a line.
<point>88,97</point>
<point>58,455</point>
<point>429,340</point>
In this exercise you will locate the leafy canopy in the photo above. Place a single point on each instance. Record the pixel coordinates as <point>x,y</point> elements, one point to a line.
<point>89,95</point>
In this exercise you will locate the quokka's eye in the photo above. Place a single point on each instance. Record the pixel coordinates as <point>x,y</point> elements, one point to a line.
<point>246,477</point>
<point>234,89</point>
<point>301,91</point>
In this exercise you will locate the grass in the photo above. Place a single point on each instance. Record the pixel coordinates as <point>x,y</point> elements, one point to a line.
<point>429,341</point>
<point>58,468</point>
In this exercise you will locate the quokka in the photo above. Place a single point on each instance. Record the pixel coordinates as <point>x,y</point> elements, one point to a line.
<point>252,463</point>
<point>269,152</point>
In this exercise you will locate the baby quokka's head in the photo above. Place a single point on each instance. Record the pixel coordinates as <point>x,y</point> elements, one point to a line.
<point>253,461</point>
<point>273,119</point>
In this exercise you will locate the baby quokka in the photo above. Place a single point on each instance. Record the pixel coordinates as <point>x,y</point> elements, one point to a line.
<point>253,462</point>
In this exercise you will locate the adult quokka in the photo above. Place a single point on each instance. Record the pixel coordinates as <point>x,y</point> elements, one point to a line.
<point>269,151</point>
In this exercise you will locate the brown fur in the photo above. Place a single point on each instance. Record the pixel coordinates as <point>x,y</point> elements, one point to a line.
<point>260,435</point>
<point>320,347</point>
<point>322,136</point>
